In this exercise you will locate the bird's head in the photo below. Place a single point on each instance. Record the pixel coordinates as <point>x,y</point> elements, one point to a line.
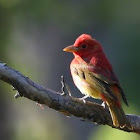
<point>84,45</point>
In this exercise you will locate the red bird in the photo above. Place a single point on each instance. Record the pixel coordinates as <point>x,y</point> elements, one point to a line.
<point>93,76</point>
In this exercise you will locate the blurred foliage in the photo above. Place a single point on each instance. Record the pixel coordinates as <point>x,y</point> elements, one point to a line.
<point>109,134</point>
<point>32,36</point>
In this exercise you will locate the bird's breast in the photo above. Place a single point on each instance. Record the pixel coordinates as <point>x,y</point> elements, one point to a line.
<point>79,78</point>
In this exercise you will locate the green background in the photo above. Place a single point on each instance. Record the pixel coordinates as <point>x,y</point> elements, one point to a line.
<point>32,36</point>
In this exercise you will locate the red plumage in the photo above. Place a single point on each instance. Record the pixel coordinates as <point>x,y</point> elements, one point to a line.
<point>93,75</point>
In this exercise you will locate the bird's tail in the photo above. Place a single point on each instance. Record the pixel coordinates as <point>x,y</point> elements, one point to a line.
<point>118,116</point>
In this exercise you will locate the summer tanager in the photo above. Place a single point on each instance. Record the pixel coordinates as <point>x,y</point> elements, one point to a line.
<point>93,75</point>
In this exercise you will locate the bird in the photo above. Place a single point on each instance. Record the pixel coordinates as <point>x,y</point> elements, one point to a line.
<point>93,75</point>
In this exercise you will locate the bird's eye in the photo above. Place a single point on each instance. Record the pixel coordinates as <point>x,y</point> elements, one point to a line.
<point>84,46</point>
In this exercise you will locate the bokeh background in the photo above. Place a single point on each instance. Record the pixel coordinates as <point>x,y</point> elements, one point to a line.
<point>32,36</point>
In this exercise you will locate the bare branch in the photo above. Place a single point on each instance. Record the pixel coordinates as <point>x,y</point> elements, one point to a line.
<point>65,104</point>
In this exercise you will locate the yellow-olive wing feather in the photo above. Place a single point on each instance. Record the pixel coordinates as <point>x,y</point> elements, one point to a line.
<point>99,81</point>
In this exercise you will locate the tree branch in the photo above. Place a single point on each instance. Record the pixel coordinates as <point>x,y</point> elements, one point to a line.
<point>65,104</point>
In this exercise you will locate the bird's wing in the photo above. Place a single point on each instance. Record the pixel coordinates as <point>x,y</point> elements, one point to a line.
<point>102,80</point>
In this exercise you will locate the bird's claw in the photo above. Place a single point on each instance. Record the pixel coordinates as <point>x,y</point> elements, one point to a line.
<point>63,93</point>
<point>83,98</point>
<point>103,104</point>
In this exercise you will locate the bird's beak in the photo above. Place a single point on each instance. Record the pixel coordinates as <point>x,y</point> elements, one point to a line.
<point>70,48</point>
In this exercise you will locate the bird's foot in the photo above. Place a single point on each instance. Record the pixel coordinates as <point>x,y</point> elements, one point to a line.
<point>103,104</point>
<point>65,87</point>
<point>83,98</point>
